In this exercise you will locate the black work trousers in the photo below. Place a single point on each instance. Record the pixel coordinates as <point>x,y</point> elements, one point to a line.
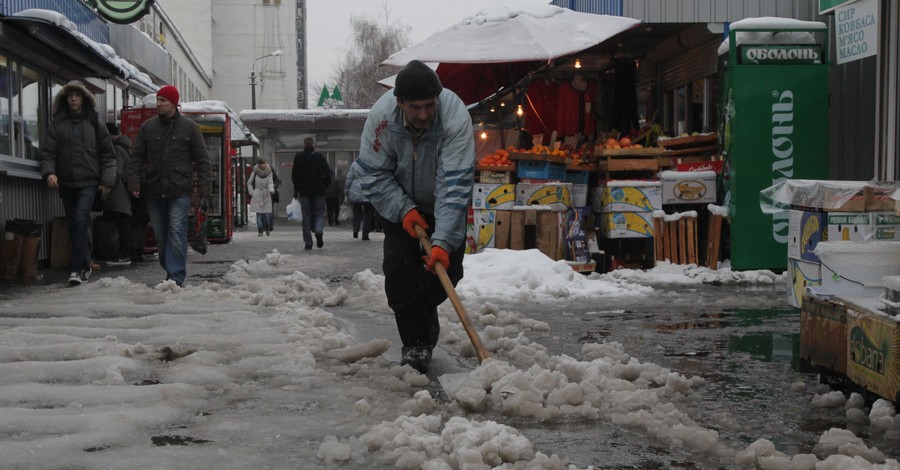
<point>413,293</point>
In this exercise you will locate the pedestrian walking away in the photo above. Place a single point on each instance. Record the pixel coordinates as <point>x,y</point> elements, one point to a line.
<point>363,212</point>
<point>416,163</point>
<point>78,159</point>
<point>334,197</point>
<point>311,175</point>
<point>166,149</point>
<point>117,206</point>
<point>276,197</point>
<point>261,186</point>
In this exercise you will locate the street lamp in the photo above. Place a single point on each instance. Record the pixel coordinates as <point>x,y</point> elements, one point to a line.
<point>253,77</point>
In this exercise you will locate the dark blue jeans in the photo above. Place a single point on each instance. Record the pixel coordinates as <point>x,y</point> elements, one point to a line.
<point>169,218</point>
<point>77,203</point>
<point>313,210</point>
<point>263,222</point>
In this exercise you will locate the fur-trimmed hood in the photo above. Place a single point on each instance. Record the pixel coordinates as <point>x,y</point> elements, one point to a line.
<point>89,103</point>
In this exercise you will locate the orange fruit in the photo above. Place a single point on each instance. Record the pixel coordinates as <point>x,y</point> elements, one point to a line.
<point>610,141</point>
<point>624,142</point>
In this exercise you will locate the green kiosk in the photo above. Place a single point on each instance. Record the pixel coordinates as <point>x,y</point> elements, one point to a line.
<point>774,121</point>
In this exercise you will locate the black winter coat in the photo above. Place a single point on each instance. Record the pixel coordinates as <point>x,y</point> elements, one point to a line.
<point>311,174</point>
<point>77,149</point>
<point>163,158</point>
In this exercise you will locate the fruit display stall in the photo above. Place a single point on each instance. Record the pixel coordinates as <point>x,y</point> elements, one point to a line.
<point>593,205</point>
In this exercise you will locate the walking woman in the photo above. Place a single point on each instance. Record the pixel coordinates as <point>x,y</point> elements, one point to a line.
<point>261,186</point>
<point>363,212</point>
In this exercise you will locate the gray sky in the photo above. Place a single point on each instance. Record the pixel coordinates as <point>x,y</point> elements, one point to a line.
<point>329,26</point>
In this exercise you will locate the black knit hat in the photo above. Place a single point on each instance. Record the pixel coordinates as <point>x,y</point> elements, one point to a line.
<point>416,81</point>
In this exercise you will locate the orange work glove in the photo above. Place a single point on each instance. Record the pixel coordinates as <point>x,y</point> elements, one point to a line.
<point>438,255</point>
<point>410,220</point>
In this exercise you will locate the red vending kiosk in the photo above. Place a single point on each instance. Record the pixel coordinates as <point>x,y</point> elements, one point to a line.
<point>215,121</point>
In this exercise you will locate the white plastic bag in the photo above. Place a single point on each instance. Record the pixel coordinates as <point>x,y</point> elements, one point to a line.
<point>293,211</point>
<point>344,213</point>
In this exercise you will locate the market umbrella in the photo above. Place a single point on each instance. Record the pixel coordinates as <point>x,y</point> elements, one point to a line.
<point>522,36</point>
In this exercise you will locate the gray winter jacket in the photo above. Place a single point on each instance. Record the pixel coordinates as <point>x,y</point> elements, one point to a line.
<point>352,187</point>
<point>118,200</point>
<point>436,176</point>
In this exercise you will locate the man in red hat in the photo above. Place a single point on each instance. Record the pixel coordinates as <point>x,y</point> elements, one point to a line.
<point>167,149</point>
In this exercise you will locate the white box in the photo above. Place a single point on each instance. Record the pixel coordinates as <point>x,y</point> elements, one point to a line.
<point>493,196</point>
<point>556,196</point>
<point>688,187</point>
<point>853,268</point>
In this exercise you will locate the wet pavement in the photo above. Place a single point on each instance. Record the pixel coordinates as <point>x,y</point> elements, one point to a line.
<point>743,340</point>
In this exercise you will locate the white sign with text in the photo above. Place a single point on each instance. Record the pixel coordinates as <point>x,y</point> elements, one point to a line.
<point>856,31</point>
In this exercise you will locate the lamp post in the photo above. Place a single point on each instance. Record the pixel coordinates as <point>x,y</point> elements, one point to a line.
<point>253,89</point>
<point>253,77</point>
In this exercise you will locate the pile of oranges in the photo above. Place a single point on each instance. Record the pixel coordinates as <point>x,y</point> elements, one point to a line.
<point>500,157</point>
<point>623,143</point>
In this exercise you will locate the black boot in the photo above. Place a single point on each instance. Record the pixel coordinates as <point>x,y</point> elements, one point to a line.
<point>319,242</point>
<point>418,357</point>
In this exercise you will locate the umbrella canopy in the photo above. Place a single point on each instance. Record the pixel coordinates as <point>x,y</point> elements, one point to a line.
<point>508,33</point>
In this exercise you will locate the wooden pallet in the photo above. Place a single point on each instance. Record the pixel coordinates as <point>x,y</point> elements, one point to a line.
<point>692,141</point>
<point>530,228</point>
<point>714,241</point>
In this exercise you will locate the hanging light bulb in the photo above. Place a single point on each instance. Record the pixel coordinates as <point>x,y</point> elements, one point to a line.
<point>577,63</point>
<point>502,104</point>
<point>519,111</point>
<point>493,109</point>
<point>483,132</point>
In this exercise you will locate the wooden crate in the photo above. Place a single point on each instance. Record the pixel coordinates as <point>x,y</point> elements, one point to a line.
<point>530,228</point>
<point>676,240</point>
<point>644,159</point>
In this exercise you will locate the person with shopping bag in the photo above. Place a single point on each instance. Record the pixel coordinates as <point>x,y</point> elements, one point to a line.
<point>261,186</point>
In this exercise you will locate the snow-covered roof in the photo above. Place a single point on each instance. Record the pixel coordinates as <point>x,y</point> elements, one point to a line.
<point>127,70</point>
<point>763,31</point>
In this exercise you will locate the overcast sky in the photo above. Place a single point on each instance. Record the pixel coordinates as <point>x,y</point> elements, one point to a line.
<point>329,26</point>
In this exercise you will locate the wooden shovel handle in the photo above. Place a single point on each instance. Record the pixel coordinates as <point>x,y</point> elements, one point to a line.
<point>454,298</point>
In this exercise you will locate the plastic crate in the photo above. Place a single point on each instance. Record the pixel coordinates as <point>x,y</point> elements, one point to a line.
<point>577,177</point>
<point>541,170</point>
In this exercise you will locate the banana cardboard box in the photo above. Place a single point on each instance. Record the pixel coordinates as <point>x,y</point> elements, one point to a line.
<point>801,274</point>
<point>493,196</point>
<point>628,196</point>
<point>480,230</point>
<point>688,187</point>
<point>557,196</point>
<point>873,356</point>
<point>863,226</point>
<point>626,224</point>
<point>805,230</point>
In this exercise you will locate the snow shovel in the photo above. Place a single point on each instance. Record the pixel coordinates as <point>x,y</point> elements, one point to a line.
<point>457,304</point>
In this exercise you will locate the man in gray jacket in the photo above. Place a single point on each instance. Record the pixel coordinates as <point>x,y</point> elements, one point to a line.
<point>167,149</point>
<point>417,165</point>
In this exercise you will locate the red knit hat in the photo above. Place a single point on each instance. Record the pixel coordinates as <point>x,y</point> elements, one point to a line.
<point>170,93</point>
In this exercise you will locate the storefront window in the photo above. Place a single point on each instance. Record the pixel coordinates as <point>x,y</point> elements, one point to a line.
<point>33,120</point>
